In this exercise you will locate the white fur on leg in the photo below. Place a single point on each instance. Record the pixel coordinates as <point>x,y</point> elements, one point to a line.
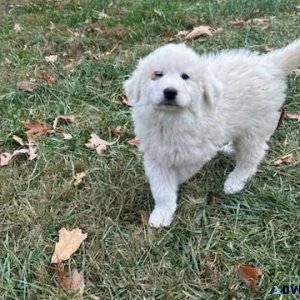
<point>234,183</point>
<point>161,216</point>
<point>163,184</point>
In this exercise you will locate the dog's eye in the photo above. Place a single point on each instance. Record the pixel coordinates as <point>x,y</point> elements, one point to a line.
<point>185,76</point>
<point>158,74</point>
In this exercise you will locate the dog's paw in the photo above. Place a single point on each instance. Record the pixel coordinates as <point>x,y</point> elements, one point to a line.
<point>233,184</point>
<point>161,217</point>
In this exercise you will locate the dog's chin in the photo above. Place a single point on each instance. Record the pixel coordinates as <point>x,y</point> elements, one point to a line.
<point>168,107</point>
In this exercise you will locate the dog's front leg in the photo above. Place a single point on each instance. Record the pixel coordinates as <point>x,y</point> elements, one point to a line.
<point>163,184</point>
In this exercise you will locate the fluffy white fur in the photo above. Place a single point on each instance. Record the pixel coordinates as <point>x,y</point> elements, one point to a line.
<point>230,97</point>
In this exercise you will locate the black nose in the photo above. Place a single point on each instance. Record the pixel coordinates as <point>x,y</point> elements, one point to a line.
<point>170,93</point>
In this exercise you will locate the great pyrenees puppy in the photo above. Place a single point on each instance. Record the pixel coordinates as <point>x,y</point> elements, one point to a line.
<point>186,107</point>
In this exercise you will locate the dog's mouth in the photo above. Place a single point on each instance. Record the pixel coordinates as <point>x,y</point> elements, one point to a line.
<point>167,106</point>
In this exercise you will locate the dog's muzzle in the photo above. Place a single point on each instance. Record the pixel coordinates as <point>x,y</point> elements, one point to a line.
<point>170,95</point>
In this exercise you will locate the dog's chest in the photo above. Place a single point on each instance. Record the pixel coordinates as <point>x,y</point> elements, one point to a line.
<point>176,145</point>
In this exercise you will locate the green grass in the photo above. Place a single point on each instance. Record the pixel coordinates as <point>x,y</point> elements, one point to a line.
<point>122,259</point>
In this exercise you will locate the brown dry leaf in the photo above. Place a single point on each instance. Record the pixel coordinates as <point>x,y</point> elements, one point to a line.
<point>144,217</point>
<point>51,58</point>
<point>116,131</point>
<point>200,31</point>
<point>169,36</point>
<point>35,128</point>
<point>5,158</point>
<point>286,159</point>
<point>96,143</point>
<point>78,178</point>
<point>64,118</point>
<point>50,79</point>
<point>249,274</point>
<point>123,99</point>
<point>27,86</point>
<point>293,116</point>
<point>69,242</point>
<point>133,142</point>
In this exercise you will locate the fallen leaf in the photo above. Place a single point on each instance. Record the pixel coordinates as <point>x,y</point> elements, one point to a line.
<point>76,282</point>
<point>19,140</point>
<point>17,28</point>
<point>249,274</point>
<point>50,79</point>
<point>69,242</point>
<point>64,118</point>
<point>238,21</point>
<point>35,128</point>
<point>116,131</point>
<point>5,158</point>
<point>51,58</point>
<point>93,297</point>
<point>293,116</point>
<point>96,143</point>
<point>169,36</point>
<point>182,33</point>
<point>78,178</point>
<point>199,31</point>
<point>26,86</point>
<point>123,98</point>
<point>133,142</point>
<point>67,136</point>
<point>144,217</point>
<point>32,152</point>
<point>286,159</point>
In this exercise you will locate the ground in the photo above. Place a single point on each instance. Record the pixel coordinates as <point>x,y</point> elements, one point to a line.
<point>97,43</point>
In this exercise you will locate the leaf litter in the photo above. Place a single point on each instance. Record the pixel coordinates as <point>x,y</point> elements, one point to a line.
<point>249,274</point>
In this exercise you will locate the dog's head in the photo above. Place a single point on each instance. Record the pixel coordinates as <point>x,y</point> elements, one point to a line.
<point>170,78</point>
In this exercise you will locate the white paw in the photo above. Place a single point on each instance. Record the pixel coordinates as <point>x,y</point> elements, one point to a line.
<point>161,216</point>
<point>233,184</point>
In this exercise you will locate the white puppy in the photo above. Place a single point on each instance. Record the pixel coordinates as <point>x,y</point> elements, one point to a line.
<point>186,107</point>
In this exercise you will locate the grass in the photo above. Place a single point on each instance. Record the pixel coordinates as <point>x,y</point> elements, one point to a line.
<point>122,259</point>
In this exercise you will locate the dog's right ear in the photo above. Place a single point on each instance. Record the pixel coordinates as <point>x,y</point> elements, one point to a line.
<point>132,88</point>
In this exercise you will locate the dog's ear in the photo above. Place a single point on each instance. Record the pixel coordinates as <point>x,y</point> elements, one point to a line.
<point>212,90</point>
<point>132,88</point>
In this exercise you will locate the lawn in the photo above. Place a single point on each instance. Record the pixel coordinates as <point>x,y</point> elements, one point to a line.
<point>97,43</point>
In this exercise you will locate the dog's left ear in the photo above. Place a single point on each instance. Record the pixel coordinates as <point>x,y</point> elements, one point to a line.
<point>132,88</point>
<point>212,89</point>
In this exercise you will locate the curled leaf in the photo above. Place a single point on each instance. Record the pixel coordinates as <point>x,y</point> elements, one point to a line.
<point>78,178</point>
<point>199,31</point>
<point>133,142</point>
<point>293,116</point>
<point>286,159</point>
<point>63,118</point>
<point>5,158</point>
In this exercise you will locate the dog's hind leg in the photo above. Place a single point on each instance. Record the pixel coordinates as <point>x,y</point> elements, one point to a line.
<point>164,185</point>
<point>249,151</point>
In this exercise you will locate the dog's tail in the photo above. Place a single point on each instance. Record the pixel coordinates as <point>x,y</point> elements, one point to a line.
<point>287,58</point>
